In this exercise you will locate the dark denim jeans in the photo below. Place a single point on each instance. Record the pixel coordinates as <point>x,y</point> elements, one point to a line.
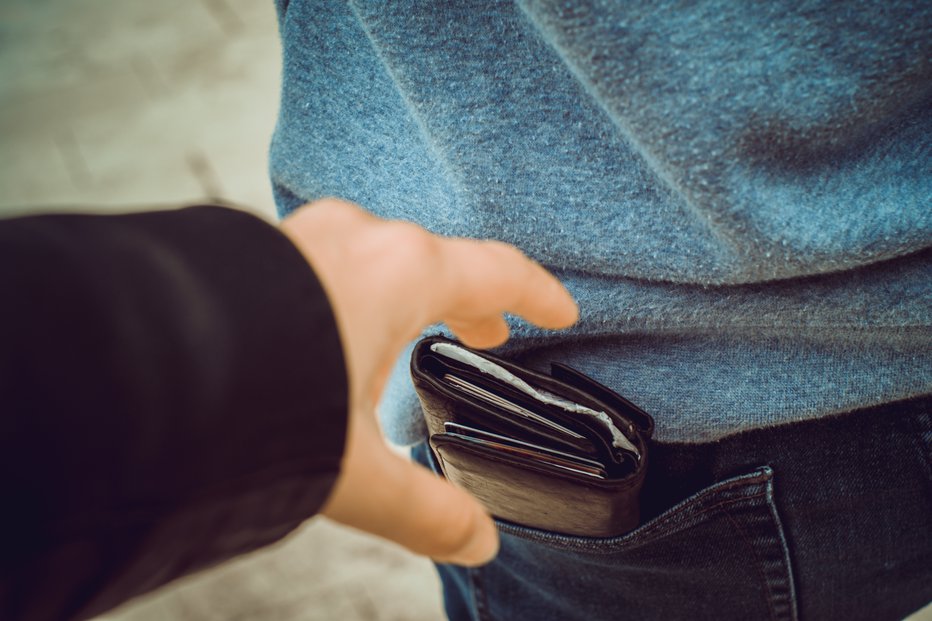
<point>821,519</point>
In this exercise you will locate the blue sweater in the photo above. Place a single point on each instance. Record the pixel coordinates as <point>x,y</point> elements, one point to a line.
<point>738,194</point>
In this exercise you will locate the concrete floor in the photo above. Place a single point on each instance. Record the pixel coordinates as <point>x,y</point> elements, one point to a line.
<point>134,104</point>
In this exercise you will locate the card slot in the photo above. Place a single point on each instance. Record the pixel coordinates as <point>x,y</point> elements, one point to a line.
<point>604,463</point>
<point>583,426</point>
<point>604,458</point>
<point>574,410</point>
<point>509,404</point>
<point>481,434</point>
<point>522,453</point>
<point>489,416</point>
<point>487,470</point>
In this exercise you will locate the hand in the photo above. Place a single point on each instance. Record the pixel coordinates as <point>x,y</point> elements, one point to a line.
<point>386,282</point>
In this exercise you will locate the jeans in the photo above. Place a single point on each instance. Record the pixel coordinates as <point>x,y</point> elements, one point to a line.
<point>820,519</point>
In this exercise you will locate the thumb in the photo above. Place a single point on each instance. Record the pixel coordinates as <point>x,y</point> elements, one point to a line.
<point>390,497</point>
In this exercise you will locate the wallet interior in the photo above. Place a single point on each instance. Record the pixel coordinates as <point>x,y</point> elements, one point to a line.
<point>517,416</point>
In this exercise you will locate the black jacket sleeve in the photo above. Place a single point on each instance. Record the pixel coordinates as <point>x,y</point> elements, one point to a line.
<point>172,393</point>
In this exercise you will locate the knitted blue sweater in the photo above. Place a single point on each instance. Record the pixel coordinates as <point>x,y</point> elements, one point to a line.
<point>738,194</point>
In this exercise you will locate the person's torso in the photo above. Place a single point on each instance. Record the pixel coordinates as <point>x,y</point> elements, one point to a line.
<point>740,196</point>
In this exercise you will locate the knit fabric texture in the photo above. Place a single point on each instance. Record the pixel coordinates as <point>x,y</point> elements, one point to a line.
<point>739,195</point>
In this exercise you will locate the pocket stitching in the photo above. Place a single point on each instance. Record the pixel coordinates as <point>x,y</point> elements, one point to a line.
<point>765,586</point>
<point>690,523</point>
<point>648,534</point>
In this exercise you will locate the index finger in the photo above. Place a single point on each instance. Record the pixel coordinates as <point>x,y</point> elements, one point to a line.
<point>481,279</point>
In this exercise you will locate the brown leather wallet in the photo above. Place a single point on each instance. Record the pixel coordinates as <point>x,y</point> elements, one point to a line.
<point>559,452</point>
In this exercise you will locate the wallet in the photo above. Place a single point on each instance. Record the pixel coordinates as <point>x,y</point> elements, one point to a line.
<point>558,451</point>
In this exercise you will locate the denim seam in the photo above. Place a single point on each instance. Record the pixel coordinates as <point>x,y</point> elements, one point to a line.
<point>767,594</point>
<point>921,436</point>
<point>690,520</point>
<point>479,598</point>
<point>785,548</point>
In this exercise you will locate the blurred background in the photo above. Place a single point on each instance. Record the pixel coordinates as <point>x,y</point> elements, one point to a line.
<point>134,104</point>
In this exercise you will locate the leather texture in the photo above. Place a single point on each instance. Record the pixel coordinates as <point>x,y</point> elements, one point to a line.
<point>528,491</point>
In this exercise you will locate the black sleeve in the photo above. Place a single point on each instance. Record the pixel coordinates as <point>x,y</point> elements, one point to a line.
<point>172,393</point>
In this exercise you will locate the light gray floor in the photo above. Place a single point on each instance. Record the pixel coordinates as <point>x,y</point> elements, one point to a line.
<point>136,103</point>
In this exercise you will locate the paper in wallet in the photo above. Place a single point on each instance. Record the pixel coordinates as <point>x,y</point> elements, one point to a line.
<point>559,452</point>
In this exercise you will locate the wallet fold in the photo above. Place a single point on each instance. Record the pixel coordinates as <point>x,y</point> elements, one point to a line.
<point>559,452</point>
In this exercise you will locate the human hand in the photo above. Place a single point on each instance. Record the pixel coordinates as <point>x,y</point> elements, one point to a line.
<point>386,282</point>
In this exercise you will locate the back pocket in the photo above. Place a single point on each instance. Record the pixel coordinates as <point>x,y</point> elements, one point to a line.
<point>719,554</point>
